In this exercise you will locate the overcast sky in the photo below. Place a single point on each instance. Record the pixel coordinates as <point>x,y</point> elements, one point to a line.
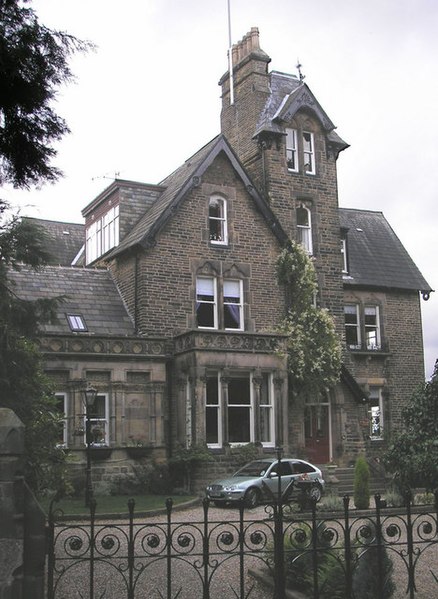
<point>148,98</point>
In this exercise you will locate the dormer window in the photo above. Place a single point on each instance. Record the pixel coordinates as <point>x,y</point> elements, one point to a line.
<point>304,228</point>
<point>217,221</point>
<point>102,235</point>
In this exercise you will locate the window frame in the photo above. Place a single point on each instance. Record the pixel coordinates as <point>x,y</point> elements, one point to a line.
<point>62,395</point>
<point>378,342</point>
<point>269,407</point>
<point>357,326</point>
<point>214,303</point>
<point>310,153</point>
<point>102,235</point>
<point>304,232</point>
<point>99,420</point>
<point>379,413</point>
<point>344,253</point>
<point>238,304</point>
<point>73,320</point>
<point>215,377</point>
<point>292,149</point>
<point>221,220</point>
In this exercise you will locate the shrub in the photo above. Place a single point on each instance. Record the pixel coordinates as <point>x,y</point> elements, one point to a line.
<point>361,484</point>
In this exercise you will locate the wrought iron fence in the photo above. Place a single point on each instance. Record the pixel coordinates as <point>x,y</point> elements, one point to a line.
<point>262,553</point>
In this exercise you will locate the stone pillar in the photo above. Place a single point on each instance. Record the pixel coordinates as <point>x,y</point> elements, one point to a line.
<point>22,523</point>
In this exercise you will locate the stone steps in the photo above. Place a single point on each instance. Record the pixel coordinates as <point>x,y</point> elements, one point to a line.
<point>344,483</point>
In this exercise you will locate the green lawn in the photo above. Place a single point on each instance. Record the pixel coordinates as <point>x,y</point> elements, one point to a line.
<point>114,504</point>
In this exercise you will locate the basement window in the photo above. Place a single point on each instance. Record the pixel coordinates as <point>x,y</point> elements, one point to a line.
<point>77,323</point>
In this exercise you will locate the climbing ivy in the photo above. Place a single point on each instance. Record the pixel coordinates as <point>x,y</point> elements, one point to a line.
<point>313,347</point>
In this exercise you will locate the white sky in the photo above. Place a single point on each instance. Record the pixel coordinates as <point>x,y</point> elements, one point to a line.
<point>148,98</point>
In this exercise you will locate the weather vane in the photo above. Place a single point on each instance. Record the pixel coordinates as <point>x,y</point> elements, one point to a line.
<point>299,65</point>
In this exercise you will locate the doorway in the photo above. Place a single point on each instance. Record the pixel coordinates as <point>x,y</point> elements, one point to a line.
<point>317,432</point>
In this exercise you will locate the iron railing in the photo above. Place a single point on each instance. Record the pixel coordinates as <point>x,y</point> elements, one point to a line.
<point>260,554</point>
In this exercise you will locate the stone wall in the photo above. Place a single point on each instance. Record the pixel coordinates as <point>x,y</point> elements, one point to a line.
<point>22,522</point>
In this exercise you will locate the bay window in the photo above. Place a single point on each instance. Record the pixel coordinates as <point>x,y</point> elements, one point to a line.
<point>229,410</point>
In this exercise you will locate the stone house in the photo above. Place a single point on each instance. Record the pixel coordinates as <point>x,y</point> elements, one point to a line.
<point>172,305</point>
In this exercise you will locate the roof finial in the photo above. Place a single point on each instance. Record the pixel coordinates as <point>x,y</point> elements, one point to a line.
<point>299,65</point>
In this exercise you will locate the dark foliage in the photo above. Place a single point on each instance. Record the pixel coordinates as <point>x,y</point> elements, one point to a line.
<point>412,456</point>
<point>33,64</point>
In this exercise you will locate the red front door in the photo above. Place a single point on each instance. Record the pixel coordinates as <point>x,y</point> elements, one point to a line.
<point>316,430</point>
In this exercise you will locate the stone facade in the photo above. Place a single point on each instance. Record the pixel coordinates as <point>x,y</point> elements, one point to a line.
<point>203,245</point>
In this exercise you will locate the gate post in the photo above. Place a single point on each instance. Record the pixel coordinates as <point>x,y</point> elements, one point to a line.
<point>22,524</point>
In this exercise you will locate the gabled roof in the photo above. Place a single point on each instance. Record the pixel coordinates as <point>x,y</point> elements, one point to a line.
<point>288,95</point>
<point>82,287</point>
<point>66,239</point>
<point>376,257</point>
<point>179,183</point>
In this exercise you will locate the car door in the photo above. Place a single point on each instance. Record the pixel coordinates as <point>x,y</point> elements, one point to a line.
<point>282,470</point>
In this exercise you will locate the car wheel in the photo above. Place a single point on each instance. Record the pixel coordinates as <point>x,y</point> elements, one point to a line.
<point>252,497</point>
<point>315,493</point>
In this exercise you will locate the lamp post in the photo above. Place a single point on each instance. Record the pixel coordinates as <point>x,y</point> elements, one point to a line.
<point>88,398</point>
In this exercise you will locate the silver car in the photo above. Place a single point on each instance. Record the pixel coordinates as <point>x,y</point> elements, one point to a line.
<point>254,480</point>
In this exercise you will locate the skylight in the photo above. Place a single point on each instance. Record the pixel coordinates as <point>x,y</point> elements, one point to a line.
<point>77,322</point>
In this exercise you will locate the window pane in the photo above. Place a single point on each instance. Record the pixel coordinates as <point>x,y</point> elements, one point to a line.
<point>291,150</point>
<point>232,305</point>
<point>205,302</point>
<point>217,220</point>
<point>239,410</point>
<point>302,217</point>
<point>212,411</point>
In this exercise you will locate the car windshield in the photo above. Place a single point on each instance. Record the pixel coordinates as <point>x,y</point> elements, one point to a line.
<point>257,468</point>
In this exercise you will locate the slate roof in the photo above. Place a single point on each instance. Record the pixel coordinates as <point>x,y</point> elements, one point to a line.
<point>288,95</point>
<point>66,239</point>
<point>89,292</point>
<point>179,183</point>
<point>376,257</point>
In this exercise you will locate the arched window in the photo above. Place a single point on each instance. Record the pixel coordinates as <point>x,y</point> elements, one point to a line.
<point>304,228</point>
<point>217,220</point>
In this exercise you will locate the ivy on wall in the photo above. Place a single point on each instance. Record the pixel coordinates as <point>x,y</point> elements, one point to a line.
<point>313,347</point>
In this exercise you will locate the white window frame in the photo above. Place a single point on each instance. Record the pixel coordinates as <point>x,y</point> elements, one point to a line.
<point>60,395</point>
<point>344,255</point>
<point>377,343</point>
<point>270,408</point>
<point>351,325</point>
<point>220,221</point>
<point>102,235</point>
<point>94,422</point>
<point>212,303</point>
<point>217,407</point>
<point>238,304</point>
<point>309,153</point>
<point>304,232</point>
<point>292,150</point>
<point>376,396</point>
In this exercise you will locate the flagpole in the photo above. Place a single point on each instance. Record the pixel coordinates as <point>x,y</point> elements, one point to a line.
<point>230,55</point>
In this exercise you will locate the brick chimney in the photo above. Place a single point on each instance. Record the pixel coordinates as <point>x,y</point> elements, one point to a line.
<point>251,90</point>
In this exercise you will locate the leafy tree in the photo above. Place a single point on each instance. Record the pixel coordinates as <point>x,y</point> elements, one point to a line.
<point>33,64</point>
<point>313,348</point>
<point>24,388</point>
<point>412,456</point>
<point>185,459</point>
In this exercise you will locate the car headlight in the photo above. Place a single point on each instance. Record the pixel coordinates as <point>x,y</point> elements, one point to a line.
<point>231,488</point>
